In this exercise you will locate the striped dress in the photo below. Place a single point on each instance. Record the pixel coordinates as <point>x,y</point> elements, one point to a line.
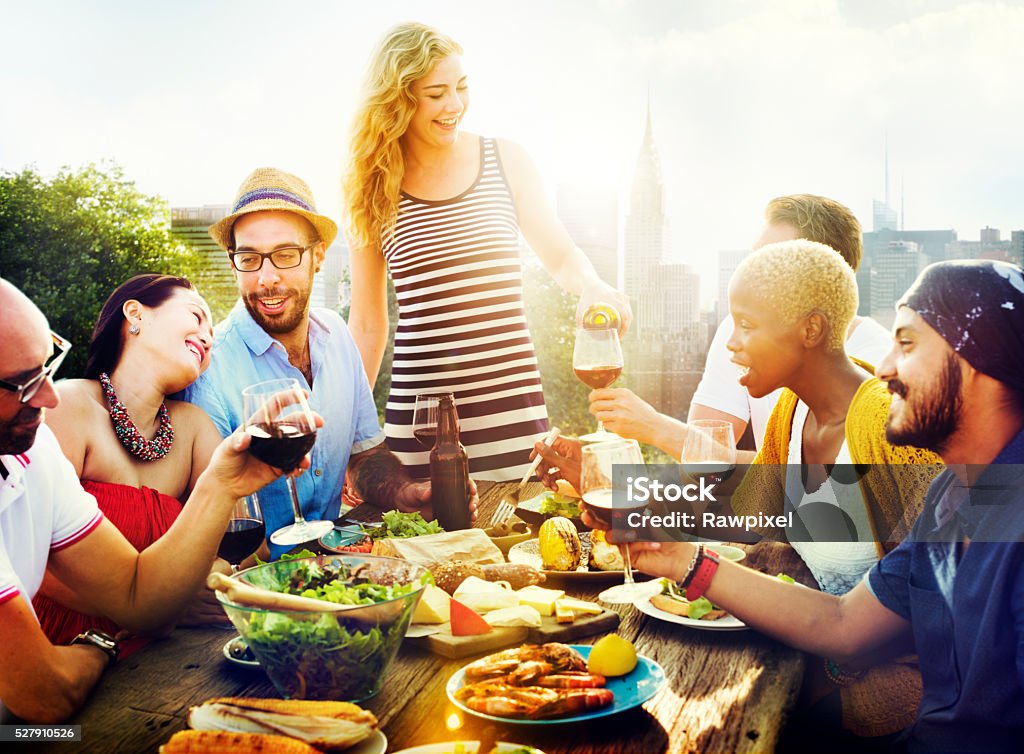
<point>461,325</point>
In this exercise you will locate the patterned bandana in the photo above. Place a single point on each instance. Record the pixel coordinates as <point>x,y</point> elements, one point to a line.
<point>977,306</point>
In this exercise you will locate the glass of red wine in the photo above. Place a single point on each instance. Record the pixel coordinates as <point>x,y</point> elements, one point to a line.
<point>283,430</point>
<point>424,418</point>
<point>611,505</point>
<point>245,532</point>
<point>597,361</point>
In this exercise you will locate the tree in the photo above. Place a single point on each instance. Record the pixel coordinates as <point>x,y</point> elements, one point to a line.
<point>69,240</point>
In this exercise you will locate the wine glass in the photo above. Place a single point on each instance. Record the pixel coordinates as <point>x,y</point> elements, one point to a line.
<point>609,502</point>
<point>245,532</point>
<point>283,429</point>
<point>597,361</point>
<point>709,452</point>
<point>424,418</point>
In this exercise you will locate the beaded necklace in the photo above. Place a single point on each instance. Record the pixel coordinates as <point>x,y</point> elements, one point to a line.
<point>128,433</point>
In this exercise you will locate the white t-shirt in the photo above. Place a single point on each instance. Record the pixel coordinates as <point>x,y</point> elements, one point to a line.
<point>720,389</point>
<point>43,508</point>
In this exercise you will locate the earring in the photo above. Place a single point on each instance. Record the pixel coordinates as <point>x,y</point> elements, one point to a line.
<point>134,329</point>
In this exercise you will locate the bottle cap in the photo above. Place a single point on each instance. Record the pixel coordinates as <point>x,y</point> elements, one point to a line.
<point>601,316</point>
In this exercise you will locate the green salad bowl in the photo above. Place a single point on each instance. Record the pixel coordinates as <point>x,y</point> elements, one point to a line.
<point>342,654</point>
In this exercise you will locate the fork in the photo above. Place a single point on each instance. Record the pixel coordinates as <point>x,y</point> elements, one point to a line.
<point>502,514</point>
<point>508,504</point>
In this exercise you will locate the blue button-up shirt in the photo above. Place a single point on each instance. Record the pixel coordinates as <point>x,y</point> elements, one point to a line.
<point>245,354</point>
<point>966,607</point>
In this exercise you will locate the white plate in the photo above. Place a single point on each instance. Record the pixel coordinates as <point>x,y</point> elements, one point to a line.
<point>727,623</point>
<point>528,553</point>
<point>468,747</point>
<point>375,743</point>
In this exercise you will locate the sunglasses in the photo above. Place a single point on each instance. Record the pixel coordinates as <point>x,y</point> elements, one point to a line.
<point>27,390</point>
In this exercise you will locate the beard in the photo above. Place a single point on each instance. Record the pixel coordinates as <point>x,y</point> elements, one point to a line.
<point>18,433</point>
<point>288,320</point>
<point>930,419</point>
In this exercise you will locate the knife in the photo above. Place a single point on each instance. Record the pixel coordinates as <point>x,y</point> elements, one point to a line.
<point>549,439</point>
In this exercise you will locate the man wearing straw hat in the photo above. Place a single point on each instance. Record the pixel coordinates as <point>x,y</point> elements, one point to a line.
<point>276,241</point>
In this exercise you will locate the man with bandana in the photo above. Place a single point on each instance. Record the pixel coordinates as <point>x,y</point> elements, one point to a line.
<point>955,586</point>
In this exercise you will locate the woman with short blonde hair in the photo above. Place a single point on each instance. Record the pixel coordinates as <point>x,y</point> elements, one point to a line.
<point>441,210</point>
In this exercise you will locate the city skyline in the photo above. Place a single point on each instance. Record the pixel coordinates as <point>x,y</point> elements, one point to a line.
<point>747,100</point>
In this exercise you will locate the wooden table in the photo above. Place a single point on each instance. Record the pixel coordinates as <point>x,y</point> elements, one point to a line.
<point>726,691</point>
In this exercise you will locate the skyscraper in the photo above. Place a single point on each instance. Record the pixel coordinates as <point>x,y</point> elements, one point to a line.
<point>645,235</point>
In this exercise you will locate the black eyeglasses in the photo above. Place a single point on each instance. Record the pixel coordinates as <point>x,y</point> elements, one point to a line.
<point>26,391</point>
<point>282,259</point>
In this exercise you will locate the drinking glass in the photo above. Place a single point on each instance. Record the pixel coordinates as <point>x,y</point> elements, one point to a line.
<point>424,418</point>
<point>610,504</point>
<point>709,452</point>
<point>283,430</point>
<point>245,532</point>
<point>597,361</point>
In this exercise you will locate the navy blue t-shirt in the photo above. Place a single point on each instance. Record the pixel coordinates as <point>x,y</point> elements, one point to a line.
<point>966,607</point>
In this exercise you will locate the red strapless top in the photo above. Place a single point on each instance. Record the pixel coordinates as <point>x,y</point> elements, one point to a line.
<point>142,515</point>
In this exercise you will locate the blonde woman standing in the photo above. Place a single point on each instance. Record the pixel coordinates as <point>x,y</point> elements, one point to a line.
<point>442,211</point>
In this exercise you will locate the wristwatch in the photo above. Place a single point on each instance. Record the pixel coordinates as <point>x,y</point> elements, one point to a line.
<point>100,640</point>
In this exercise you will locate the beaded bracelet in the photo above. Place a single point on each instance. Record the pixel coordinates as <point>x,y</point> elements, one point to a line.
<point>698,555</point>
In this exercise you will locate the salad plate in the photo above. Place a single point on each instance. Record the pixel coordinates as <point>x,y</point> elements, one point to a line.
<point>530,511</point>
<point>725,623</point>
<point>630,690</point>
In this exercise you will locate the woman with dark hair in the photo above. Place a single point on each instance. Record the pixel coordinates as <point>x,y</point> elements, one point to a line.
<point>137,452</point>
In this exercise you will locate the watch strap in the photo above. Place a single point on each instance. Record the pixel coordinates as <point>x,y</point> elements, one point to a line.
<point>102,641</point>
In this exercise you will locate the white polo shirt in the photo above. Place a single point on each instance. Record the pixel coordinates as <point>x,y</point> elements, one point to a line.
<point>43,508</point>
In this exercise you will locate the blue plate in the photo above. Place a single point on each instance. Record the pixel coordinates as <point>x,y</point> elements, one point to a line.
<point>630,691</point>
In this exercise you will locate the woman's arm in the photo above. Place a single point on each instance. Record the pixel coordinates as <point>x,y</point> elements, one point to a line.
<point>542,229</point>
<point>368,315</point>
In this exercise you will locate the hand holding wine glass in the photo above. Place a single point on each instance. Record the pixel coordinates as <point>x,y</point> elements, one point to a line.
<point>282,429</point>
<point>597,361</point>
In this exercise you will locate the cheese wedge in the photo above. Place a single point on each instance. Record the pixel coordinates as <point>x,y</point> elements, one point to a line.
<point>435,606</point>
<point>520,615</point>
<point>484,596</point>
<point>563,614</point>
<point>541,599</point>
<point>580,606</point>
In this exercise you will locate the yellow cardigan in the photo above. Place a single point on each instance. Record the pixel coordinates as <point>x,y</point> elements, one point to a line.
<point>886,698</point>
<point>893,487</point>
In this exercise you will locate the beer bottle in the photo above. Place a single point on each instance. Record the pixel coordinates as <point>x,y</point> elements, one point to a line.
<point>449,470</point>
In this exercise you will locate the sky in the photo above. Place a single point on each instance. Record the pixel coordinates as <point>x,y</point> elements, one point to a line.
<point>749,99</point>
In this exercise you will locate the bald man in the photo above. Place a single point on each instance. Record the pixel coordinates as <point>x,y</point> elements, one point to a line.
<point>47,521</point>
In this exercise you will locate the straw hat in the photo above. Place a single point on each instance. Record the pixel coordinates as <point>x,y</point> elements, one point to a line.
<point>273,189</point>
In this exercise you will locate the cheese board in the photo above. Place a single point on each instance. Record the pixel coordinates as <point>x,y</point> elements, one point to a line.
<point>442,642</point>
